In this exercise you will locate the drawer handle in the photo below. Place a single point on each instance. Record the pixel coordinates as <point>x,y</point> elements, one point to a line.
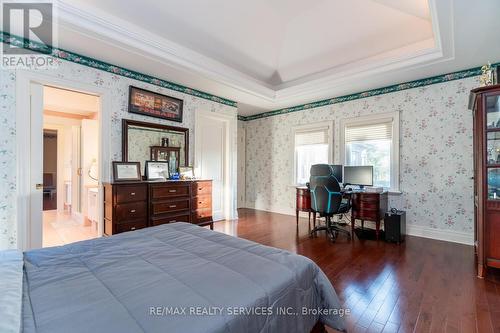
<point>173,221</point>
<point>200,188</point>
<point>172,191</point>
<point>132,193</point>
<point>200,202</point>
<point>132,210</point>
<point>173,206</point>
<point>133,228</point>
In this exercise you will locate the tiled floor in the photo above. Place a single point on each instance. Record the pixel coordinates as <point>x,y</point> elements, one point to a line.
<point>60,229</point>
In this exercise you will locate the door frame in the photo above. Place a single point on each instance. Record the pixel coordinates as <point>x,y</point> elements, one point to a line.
<point>24,79</point>
<point>230,163</point>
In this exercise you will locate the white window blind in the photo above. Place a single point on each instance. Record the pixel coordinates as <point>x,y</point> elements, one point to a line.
<point>315,137</point>
<point>379,131</point>
<point>312,146</point>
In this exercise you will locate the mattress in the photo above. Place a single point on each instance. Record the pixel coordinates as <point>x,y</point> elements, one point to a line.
<point>174,278</point>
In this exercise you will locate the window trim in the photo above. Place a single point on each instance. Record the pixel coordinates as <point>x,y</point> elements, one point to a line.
<point>374,119</point>
<point>318,126</point>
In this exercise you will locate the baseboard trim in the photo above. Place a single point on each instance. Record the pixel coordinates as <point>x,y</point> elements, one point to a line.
<point>440,234</point>
<point>412,230</point>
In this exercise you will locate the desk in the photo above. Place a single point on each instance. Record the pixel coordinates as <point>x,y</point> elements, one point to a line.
<point>303,203</point>
<point>370,207</point>
<point>365,206</point>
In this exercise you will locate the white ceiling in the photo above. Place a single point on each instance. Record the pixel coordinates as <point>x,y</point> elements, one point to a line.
<point>69,102</point>
<point>269,54</point>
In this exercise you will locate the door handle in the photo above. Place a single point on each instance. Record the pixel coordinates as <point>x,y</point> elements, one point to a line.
<point>39,186</point>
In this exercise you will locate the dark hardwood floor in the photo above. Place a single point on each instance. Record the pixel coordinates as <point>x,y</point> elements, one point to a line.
<point>421,285</point>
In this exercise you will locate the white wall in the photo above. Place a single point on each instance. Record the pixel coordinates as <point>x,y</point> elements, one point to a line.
<point>117,88</point>
<point>435,156</point>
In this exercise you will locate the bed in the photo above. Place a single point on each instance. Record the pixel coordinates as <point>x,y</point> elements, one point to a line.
<point>174,278</point>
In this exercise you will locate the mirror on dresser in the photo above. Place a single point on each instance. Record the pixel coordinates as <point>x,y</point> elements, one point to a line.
<point>143,141</point>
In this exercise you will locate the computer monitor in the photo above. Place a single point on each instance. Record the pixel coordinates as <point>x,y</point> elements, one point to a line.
<point>337,171</point>
<point>358,175</point>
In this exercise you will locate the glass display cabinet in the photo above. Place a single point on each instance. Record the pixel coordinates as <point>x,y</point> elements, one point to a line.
<point>485,104</point>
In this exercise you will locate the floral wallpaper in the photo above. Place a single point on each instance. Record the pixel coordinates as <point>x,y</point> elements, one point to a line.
<point>118,87</point>
<point>435,153</point>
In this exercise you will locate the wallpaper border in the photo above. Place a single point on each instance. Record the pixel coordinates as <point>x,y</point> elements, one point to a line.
<point>370,93</point>
<point>62,54</point>
<point>58,53</point>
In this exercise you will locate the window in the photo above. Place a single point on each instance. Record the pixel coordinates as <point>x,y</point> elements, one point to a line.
<point>374,140</point>
<point>312,146</point>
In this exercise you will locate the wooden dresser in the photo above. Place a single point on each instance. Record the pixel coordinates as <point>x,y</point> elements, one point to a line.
<point>135,205</point>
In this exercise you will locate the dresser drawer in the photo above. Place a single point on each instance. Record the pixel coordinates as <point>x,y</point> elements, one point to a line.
<point>202,188</point>
<point>201,215</point>
<point>202,201</point>
<point>130,226</point>
<point>131,210</point>
<point>162,191</point>
<point>170,219</point>
<point>366,214</point>
<point>129,193</point>
<point>169,206</point>
<point>369,205</point>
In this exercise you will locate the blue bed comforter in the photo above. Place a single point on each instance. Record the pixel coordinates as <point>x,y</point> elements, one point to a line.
<point>174,278</point>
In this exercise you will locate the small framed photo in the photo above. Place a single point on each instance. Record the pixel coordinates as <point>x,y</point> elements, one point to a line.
<point>186,172</point>
<point>126,171</point>
<point>157,170</point>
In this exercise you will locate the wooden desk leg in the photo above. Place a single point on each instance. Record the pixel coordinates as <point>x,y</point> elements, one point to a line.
<point>297,214</point>
<point>353,222</point>
<point>314,220</point>
<point>377,225</point>
<point>309,220</point>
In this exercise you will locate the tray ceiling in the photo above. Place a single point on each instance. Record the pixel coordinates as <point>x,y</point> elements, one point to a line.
<point>268,54</point>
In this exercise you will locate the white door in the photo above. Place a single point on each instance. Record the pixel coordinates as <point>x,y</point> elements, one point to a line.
<point>211,159</point>
<point>76,172</point>
<point>90,150</point>
<point>36,166</point>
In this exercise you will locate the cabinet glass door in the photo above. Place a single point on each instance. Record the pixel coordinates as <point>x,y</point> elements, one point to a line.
<point>493,147</point>
<point>493,112</point>
<point>494,183</point>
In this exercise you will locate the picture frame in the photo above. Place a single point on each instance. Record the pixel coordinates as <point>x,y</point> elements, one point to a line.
<point>186,172</point>
<point>156,105</point>
<point>157,170</point>
<point>126,171</point>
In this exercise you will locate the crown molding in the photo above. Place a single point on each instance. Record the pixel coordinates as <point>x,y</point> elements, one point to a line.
<point>374,92</point>
<point>62,54</point>
<point>120,33</point>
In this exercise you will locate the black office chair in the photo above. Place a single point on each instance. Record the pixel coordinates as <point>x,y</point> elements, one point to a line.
<point>327,200</point>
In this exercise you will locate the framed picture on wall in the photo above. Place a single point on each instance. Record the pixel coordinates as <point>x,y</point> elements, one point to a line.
<point>152,104</point>
<point>126,171</point>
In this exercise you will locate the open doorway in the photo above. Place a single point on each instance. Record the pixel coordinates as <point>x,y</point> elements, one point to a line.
<point>70,166</point>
